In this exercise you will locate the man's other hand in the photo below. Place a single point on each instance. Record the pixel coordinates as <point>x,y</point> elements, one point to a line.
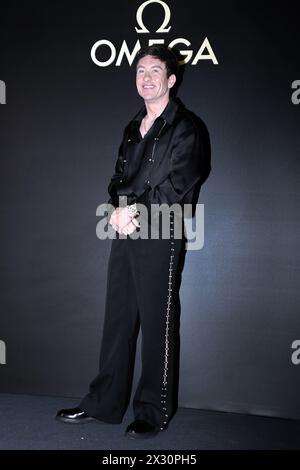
<point>121,219</point>
<point>131,227</point>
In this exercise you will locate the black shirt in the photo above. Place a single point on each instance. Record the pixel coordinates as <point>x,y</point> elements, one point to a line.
<point>167,164</point>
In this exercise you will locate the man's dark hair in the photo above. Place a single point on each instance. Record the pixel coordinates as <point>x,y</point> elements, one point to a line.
<point>163,53</point>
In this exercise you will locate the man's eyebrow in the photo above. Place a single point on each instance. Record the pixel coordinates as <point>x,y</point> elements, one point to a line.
<point>152,66</point>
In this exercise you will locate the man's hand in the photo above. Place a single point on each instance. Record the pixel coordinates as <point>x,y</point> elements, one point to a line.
<point>131,227</point>
<point>122,221</point>
<point>120,218</point>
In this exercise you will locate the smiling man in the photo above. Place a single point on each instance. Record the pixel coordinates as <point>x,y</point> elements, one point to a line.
<point>161,160</point>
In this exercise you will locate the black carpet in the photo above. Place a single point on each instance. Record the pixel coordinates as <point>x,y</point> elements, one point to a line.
<point>28,422</point>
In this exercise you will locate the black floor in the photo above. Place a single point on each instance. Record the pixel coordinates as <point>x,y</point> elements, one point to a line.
<point>27,422</point>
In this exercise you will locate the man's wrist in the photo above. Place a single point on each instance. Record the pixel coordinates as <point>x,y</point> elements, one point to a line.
<point>132,210</point>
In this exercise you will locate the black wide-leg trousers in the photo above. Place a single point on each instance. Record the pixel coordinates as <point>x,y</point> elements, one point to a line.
<point>143,282</point>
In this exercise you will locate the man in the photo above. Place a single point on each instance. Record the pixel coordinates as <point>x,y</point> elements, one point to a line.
<point>161,161</point>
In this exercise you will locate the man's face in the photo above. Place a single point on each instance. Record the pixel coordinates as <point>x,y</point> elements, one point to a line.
<point>151,79</point>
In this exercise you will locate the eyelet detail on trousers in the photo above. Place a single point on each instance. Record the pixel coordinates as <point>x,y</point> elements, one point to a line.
<point>166,350</point>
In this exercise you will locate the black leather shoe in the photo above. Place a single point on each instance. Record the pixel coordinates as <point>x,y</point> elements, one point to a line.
<point>141,430</point>
<point>74,415</point>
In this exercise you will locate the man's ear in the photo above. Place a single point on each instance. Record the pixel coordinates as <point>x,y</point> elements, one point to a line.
<point>171,80</point>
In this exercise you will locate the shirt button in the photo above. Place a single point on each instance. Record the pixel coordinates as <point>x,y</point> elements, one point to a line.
<point>121,181</point>
<point>124,161</point>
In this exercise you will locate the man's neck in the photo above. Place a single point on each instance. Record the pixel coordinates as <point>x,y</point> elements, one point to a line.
<point>155,108</point>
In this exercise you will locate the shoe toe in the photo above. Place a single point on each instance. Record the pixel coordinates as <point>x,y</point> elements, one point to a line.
<point>73,415</point>
<point>140,429</point>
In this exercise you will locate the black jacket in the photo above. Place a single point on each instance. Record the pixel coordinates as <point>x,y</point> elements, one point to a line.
<point>168,165</point>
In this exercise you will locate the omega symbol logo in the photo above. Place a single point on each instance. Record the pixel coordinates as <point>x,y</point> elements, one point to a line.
<point>163,28</point>
<point>127,52</point>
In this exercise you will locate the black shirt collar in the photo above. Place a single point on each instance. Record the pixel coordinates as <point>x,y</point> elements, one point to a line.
<point>168,113</point>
